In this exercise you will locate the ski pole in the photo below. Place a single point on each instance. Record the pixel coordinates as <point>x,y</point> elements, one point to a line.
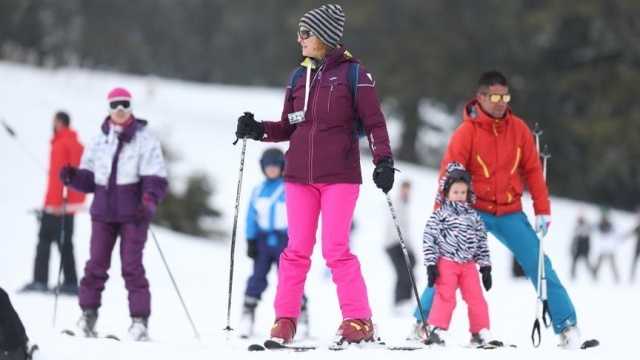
<point>542,306</point>
<point>233,232</point>
<point>537,132</point>
<point>13,134</point>
<point>407,261</point>
<point>175,285</point>
<point>62,241</point>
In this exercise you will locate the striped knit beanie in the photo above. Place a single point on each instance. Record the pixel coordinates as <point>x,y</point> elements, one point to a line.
<point>325,22</point>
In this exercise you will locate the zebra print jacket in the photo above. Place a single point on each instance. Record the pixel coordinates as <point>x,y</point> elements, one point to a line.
<point>456,232</point>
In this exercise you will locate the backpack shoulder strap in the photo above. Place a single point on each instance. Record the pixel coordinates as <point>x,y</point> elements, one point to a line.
<point>354,78</point>
<point>294,80</point>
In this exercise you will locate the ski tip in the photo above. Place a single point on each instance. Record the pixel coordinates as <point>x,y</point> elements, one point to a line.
<point>589,344</point>
<point>112,337</point>
<point>256,347</point>
<point>68,332</point>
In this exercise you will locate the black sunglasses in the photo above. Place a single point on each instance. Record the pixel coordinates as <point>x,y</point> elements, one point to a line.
<point>304,34</point>
<point>123,104</point>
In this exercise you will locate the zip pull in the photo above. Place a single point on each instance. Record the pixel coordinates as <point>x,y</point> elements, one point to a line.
<point>307,87</point>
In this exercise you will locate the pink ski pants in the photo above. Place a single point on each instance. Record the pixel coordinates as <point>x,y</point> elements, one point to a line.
<point>454,275</point>
<point>305,204</point>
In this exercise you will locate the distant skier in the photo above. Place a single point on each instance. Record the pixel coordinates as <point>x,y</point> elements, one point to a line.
<point>65,149</point>
<point>455,240</point>
<point>607,243</point>
<point>124,167</point>
<point>636,255</point>
<point>581,245</point>
<point>403,292</point>
<point>266,238</point>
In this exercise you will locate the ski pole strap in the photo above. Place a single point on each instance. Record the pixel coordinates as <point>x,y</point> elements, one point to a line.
<point>536,330</point>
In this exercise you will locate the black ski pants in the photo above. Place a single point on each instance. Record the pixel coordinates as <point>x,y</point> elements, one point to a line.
<point>403,282</point>
<point>50,227</point>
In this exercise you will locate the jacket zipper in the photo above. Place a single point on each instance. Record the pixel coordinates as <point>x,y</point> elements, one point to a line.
<point>329,100</point>
<point>313,127</point>
<point>515,165</point>
<point>484,167</point>
<point>513,170</point>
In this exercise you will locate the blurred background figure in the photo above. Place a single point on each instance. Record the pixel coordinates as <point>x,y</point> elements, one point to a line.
<point>607,243</point>
<point>402,303</point>
<point>66,149</point>
<point>634,263</point>
<point>580,245</point>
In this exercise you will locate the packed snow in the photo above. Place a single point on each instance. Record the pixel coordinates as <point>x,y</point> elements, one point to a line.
<point>197,122</point>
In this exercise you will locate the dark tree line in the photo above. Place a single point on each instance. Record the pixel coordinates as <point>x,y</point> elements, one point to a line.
<point>573,65</point>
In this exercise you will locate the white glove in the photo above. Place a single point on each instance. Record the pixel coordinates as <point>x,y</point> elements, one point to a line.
<point>542,224</point>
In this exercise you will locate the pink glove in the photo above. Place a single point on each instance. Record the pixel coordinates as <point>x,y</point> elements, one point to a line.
<point>542,224</point>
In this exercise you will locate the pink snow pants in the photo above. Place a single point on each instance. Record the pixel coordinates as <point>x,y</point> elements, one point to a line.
<point>454,275</point>
<point>305,203</point>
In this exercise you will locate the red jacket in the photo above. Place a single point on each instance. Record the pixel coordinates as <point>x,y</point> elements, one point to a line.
<point>325,148</point>
<point>501,156</point>
<point>65,150</point>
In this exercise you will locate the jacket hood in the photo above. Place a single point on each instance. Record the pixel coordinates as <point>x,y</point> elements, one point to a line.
<point>335,57</point>
<point>455,171</point>
<point>473,113</point>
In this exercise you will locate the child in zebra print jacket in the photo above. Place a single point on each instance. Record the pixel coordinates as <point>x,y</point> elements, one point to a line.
<point>454,240</point>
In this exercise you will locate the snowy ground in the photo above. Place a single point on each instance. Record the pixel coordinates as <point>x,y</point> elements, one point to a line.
<point>198,122</point>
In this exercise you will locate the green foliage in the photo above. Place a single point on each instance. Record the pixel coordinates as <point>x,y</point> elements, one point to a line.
<point>188,211</point>
<point>573,66</point>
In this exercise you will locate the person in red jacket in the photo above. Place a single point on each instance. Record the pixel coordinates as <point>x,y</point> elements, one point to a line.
<point>323,175</point>
<point>66,149</point>
<point>499,151</point>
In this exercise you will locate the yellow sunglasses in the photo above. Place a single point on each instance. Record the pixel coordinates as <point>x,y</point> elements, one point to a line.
<point>495,98</point>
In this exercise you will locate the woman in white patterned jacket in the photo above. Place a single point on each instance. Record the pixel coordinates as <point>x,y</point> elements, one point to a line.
<point>454,240</point>
<point>123,166</point>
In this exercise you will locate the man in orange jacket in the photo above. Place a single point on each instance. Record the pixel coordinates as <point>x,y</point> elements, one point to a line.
<point>498,150</point>
<point>65,150</point>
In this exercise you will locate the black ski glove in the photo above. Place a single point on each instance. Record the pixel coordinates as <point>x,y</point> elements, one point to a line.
<point>252,248</point>
<point>383,174</point>
<point>67,173</point>
<point>432,274</point>
<point>249,127</point>
<point>486,277</point>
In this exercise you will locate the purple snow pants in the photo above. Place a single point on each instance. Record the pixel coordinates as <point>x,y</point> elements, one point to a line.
<point>103,239</point>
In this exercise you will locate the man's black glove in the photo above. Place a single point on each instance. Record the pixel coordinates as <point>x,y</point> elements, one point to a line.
<point>249,127</point>
<point>252,248</point>
<point>486,277</point>
<point>432,275</point>
<point>67,173</point>
<point>383,174</point>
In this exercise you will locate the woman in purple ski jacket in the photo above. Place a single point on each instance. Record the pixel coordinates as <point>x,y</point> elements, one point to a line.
<point>123,166</point>
<point>323,176</point>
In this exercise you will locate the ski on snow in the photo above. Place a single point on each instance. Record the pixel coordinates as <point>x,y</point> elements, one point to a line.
<point>276,346</point>
<point>109,336</point>
<point>589,344</point>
